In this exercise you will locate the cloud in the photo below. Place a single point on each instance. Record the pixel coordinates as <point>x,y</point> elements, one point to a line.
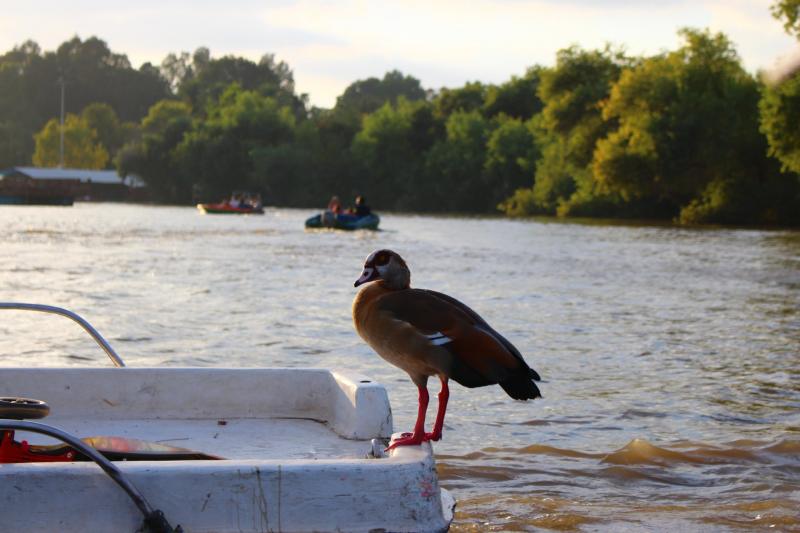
<point>329,44</point>
<point>445,44</point>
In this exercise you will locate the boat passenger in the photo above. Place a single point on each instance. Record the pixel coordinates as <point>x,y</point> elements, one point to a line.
<point>334,205</point>
<point>362,209</point>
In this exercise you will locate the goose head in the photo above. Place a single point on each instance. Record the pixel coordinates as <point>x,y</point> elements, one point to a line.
<point>388,266</point>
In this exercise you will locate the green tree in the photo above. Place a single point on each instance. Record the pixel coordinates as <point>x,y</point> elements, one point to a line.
<point>780,115</point>
<point>687,142</point>
<point>93,73</point>
<point>780,105</point>
<point>209,78</point>
<point>218,150</point>
<point>339,126</point>
<point>288,173</point>
<point>571,123</point>
<point>81,147</point>
<point>470,97</point>
<point>180,69</point>
<point>17,119</point>
<point>788,11</point>
<point>20,117</point>
<point>30,90</point>
<point>366,96</point>
<point>386,156</point>
<point>553,185</point>
<point>511,155</point>
<point>176,69</point>
<point>103,120</point>
<point>516,98</point>
<point>335,161</point>
<point>153,157</point>
<point>454,166</point>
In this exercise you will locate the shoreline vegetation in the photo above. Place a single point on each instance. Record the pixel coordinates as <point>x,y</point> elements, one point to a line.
<point>685,137</point>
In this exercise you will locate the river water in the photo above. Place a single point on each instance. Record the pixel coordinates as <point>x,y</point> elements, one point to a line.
<point>670,357</point>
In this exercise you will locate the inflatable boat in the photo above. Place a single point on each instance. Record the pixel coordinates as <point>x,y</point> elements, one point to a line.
<point>344,221</point>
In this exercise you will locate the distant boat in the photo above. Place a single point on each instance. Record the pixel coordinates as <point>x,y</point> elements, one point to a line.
<point>227,209</point>
<point>345,221</point>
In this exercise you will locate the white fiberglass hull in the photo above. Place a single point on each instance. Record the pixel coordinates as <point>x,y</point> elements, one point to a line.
<point>294,443</point>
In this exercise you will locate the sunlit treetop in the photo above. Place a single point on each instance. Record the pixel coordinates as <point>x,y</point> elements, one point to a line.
<point>788,12</point>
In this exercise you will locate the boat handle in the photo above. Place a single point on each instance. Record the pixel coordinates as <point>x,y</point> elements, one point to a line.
<point>116,359</point>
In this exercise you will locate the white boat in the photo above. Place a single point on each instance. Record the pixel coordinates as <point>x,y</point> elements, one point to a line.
<point>289,450</point>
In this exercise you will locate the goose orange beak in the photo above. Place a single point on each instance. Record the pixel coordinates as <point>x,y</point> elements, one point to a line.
<point>369,274</point>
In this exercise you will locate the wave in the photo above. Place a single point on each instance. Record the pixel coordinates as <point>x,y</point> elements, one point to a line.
<point>640,451</point>
<point>684,485</point>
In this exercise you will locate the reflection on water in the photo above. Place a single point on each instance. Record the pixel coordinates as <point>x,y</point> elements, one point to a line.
<point>670,357</point>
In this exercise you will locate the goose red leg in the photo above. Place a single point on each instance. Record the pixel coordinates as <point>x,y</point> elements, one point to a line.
<point>444,394</point>
<point>419,428</point>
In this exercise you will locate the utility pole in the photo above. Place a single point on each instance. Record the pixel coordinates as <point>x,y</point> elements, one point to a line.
<point>61,144</point>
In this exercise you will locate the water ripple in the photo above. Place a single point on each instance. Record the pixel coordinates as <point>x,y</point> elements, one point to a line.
<point>671,356</point>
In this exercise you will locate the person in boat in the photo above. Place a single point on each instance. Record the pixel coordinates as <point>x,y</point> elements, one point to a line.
<point>334,209</point>
<point>334,205</point>
<point>235,201</point>
<point>255,201</point>
<point>361,209</point>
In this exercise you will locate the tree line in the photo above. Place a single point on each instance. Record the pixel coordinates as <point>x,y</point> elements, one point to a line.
<point>685,135</point>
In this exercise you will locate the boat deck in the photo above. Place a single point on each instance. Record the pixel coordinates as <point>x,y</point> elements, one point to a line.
<point>263,439</point>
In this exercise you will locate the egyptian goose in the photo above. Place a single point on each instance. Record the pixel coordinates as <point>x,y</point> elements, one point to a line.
<point>427,333</point>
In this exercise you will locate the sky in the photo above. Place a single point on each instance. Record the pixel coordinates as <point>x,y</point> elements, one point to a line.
<point>329,44</point>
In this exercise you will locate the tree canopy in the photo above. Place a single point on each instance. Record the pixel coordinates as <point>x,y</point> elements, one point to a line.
<point>780,105</point>
<point>685,135</point>
<point>367,96</point>
<point>81,146</point>
<point>780,115</point>
<point>30,91</point>
<point>788,12</point>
